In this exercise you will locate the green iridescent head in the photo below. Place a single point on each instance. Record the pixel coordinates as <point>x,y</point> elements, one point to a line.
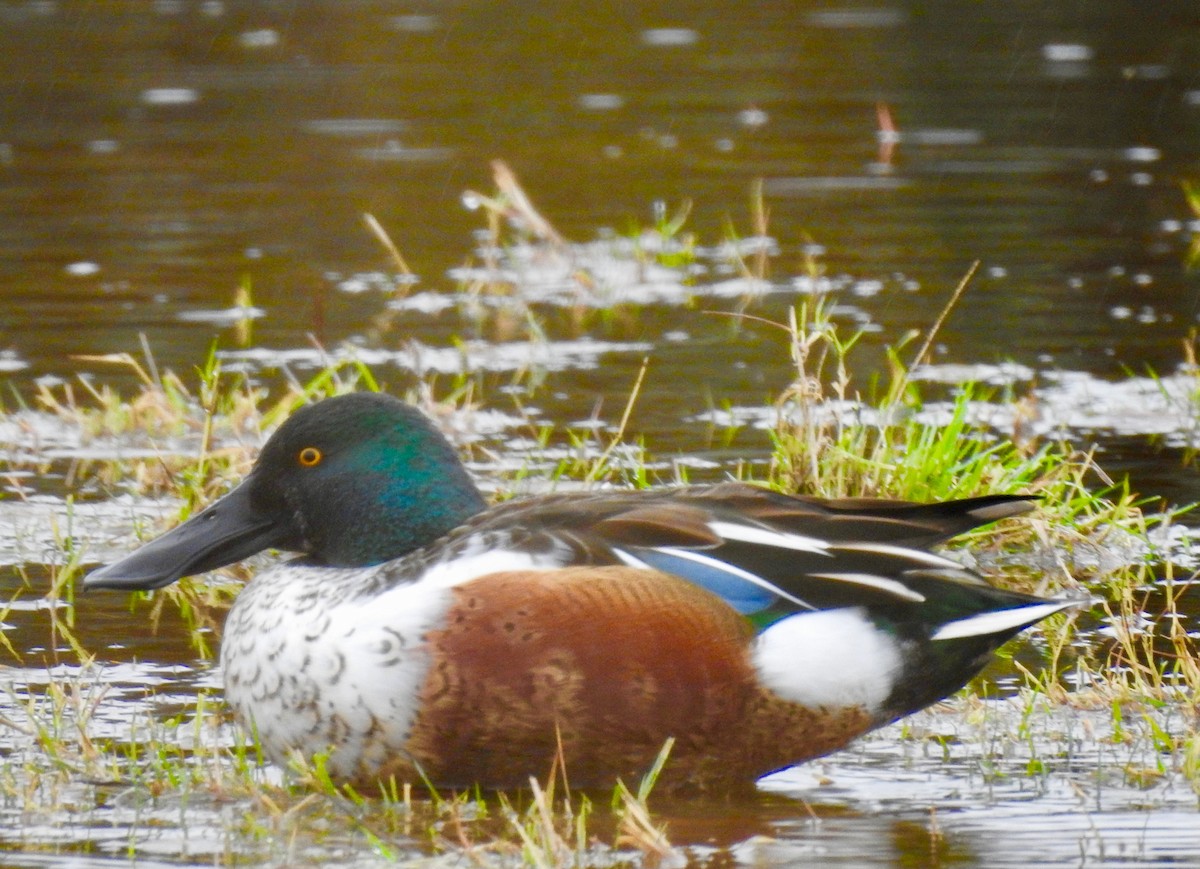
<point>351,481</point>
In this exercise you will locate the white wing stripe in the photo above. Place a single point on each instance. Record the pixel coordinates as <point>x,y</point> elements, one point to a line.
<point>882,583</point>
<point>767,537</point>
<point>998,622</point>
<point>915,555</point>
<point>631,560</point>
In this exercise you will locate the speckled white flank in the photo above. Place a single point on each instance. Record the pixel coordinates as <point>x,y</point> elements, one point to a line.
<point>832,659</point>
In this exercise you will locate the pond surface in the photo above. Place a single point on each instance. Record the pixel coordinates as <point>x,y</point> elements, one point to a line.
<point>156,156</point>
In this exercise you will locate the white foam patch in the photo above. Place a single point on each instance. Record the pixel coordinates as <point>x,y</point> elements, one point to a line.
<point>767,537</point>
<point>833,659</point>
<point>998,622</point>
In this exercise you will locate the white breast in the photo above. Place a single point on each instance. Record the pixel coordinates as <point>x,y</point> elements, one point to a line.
<point>320,660</point>
<point>309,668</point>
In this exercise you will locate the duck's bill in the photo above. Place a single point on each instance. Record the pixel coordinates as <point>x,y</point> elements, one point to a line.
<point>224,532</point>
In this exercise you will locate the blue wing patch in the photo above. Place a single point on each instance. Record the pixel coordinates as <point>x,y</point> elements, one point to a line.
<point>742,590</point>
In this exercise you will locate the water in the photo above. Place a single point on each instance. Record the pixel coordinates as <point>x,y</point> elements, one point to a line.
<point>155,157</point>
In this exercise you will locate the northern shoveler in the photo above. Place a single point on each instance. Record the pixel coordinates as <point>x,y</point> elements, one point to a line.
<point>426,634</point>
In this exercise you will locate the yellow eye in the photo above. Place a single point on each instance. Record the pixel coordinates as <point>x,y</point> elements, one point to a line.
<point>310,457</point>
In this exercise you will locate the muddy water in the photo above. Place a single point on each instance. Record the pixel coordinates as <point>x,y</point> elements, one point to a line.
<point>156,156</point>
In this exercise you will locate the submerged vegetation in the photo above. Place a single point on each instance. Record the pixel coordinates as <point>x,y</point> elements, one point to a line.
<point>80,740</point>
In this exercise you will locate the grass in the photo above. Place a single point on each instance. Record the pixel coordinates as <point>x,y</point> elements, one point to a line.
<point>833,438</point>
<point>832,442</point>
<point>822,446</point>
<point>57,754</point>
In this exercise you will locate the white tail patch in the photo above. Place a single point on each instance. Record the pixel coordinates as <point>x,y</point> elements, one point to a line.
<point>835,659</point>
<point>768,537</point>
<point>998,622</point>
<point>881,583</point>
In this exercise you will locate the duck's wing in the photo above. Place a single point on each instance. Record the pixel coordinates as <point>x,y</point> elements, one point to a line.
<point>770,555</point>
<point>876,520</point>
<point>838,591</point>
<point>767,554</point>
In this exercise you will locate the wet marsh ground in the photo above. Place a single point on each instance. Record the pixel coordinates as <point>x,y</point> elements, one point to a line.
<point>181,176</point>
<point>1083,736</point>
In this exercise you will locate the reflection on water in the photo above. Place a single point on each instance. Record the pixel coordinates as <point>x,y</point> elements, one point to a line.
<point>976,782</point>
<point>156,154</point>
<point>156,157</point>
<point>979,782</point>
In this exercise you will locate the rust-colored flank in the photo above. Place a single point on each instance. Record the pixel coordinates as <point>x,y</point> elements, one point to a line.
<point>613,661</point>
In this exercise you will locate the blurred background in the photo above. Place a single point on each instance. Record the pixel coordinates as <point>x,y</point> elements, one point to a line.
<point>156,156</point>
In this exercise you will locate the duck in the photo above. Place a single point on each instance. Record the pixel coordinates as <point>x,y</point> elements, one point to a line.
<point>424,636</point>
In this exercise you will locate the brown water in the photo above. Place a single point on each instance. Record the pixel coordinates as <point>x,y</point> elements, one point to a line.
<point>156,155</point>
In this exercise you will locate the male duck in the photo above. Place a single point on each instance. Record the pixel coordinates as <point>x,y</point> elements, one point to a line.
<point>424,633</point>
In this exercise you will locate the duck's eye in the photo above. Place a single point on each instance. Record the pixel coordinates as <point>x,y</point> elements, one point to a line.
<point>309,457</point>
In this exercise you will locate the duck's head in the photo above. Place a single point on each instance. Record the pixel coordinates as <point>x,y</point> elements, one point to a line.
<point>351,481</point>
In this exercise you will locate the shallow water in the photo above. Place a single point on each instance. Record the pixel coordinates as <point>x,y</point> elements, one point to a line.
<point>952,784</point>
<point>155,156</point>
<point>993,782</point>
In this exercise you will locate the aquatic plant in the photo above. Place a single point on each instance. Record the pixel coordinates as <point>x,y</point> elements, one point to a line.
<point>74,741</point>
